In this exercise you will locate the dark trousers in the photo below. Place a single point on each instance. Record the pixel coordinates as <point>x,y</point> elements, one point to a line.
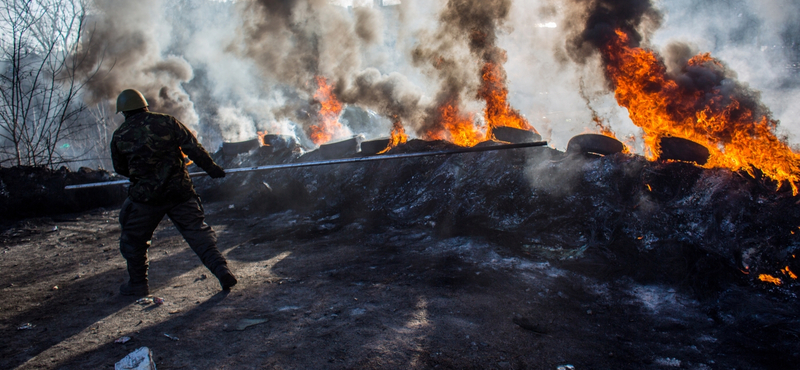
<point>139,221</point>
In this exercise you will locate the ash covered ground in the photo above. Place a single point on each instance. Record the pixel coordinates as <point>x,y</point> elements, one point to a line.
<point>517,259</point>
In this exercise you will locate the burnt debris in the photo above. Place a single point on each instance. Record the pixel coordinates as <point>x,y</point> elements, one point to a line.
<point>702,228</point>
<point>38,191</point>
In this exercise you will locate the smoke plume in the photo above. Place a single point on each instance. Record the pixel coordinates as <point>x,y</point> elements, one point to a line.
<point>475,24</point>
<point>638,19</point>
<point>235,68</point>
<point>294,42</point>
<point>391,95</point>
<point>593,22</point>
<point>121,49</point>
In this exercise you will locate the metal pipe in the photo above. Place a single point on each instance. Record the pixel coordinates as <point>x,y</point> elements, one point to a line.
<point>337,161</point>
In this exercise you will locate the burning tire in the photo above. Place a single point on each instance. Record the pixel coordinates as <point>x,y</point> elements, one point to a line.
<point>373,147</point>
<point>341,149</point>
<point>680,149</point>
<point>515,135</point>
<point>232,149</point>
<point>594,144</point>
<point>280,142</point>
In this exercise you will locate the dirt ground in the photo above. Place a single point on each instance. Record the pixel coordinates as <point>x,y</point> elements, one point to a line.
<point>320,294</point>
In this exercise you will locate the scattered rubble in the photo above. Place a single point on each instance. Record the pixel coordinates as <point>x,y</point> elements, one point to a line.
<point>172,337</point>
<point>140,359</point>
<point>246,323</point>
<point>122,340</point>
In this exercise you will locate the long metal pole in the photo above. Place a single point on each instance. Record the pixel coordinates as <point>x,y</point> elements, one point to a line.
<point>337,161</point>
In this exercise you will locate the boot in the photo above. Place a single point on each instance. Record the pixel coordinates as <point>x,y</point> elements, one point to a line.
<point>137,284</point>
<point>137,289</point>
<point>225,277</point>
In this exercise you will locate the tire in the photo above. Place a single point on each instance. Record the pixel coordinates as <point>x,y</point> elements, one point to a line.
<point>594,143</point>
<point>515,135</point>
<point>680,149</point>
<point>232,149</point>
<point>373,147</point>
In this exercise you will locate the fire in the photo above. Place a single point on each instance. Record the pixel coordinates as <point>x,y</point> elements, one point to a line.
<point>455,127</point>
<point>737,137</point>
<point>605,130</point>
<point>494,92</point>
<point>770,279</point>
<point>398,135</point>
<point>330,109</point>
<point>186,161</point>
<point>789,273</point>
<point>261,135</point>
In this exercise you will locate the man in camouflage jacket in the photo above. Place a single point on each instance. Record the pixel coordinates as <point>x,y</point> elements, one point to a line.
<point>148,148</point>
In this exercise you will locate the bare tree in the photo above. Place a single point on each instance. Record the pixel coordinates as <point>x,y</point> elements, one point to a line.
<point>40,107</point>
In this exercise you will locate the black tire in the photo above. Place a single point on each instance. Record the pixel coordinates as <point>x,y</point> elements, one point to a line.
<point>594,143</point>
<point>515,135</point>
<point>680,149</point>
<point>340,149</point>
<point>231,149</point>
<point>373,147</point>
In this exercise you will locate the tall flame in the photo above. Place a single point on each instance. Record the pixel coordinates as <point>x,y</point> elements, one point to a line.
<point>330,109</point>
<point>455,127</point>
<point>494,92</point>
<point>737,137</point>
<point>398,133</point>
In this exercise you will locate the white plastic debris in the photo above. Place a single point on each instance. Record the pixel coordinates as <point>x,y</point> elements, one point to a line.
<point>171,337</point>
<point>122,340</point>
<point>565,367</point>
<point>26,326</point>
<point>140,359</point>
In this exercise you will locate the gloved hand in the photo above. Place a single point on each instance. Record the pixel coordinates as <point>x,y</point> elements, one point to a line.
<point>216,172</point>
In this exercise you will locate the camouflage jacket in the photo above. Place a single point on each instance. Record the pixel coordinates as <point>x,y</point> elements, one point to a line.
<point>147,147</point>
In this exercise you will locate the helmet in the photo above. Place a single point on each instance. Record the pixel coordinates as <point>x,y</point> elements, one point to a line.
<point>130,100</point>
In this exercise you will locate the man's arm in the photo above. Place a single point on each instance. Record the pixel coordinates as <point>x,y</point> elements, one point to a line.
<point>118,159</point>
<point>195,151</point>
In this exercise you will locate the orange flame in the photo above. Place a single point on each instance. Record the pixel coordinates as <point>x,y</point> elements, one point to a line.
<point>605,130</point>
<point>330,109</point>
<point>770,279</point>
<point>261,135</point>
<point>789,273</point>
<point>186,161</point>
<point>398,135</point>
<point>494,92</point>
<point>735,135</point>
<point>455,127</point>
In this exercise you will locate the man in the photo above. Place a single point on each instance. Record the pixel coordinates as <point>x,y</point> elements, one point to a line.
<point>148,149</point>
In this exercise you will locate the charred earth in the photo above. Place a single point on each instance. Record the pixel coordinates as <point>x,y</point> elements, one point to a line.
<point>524,258</point>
